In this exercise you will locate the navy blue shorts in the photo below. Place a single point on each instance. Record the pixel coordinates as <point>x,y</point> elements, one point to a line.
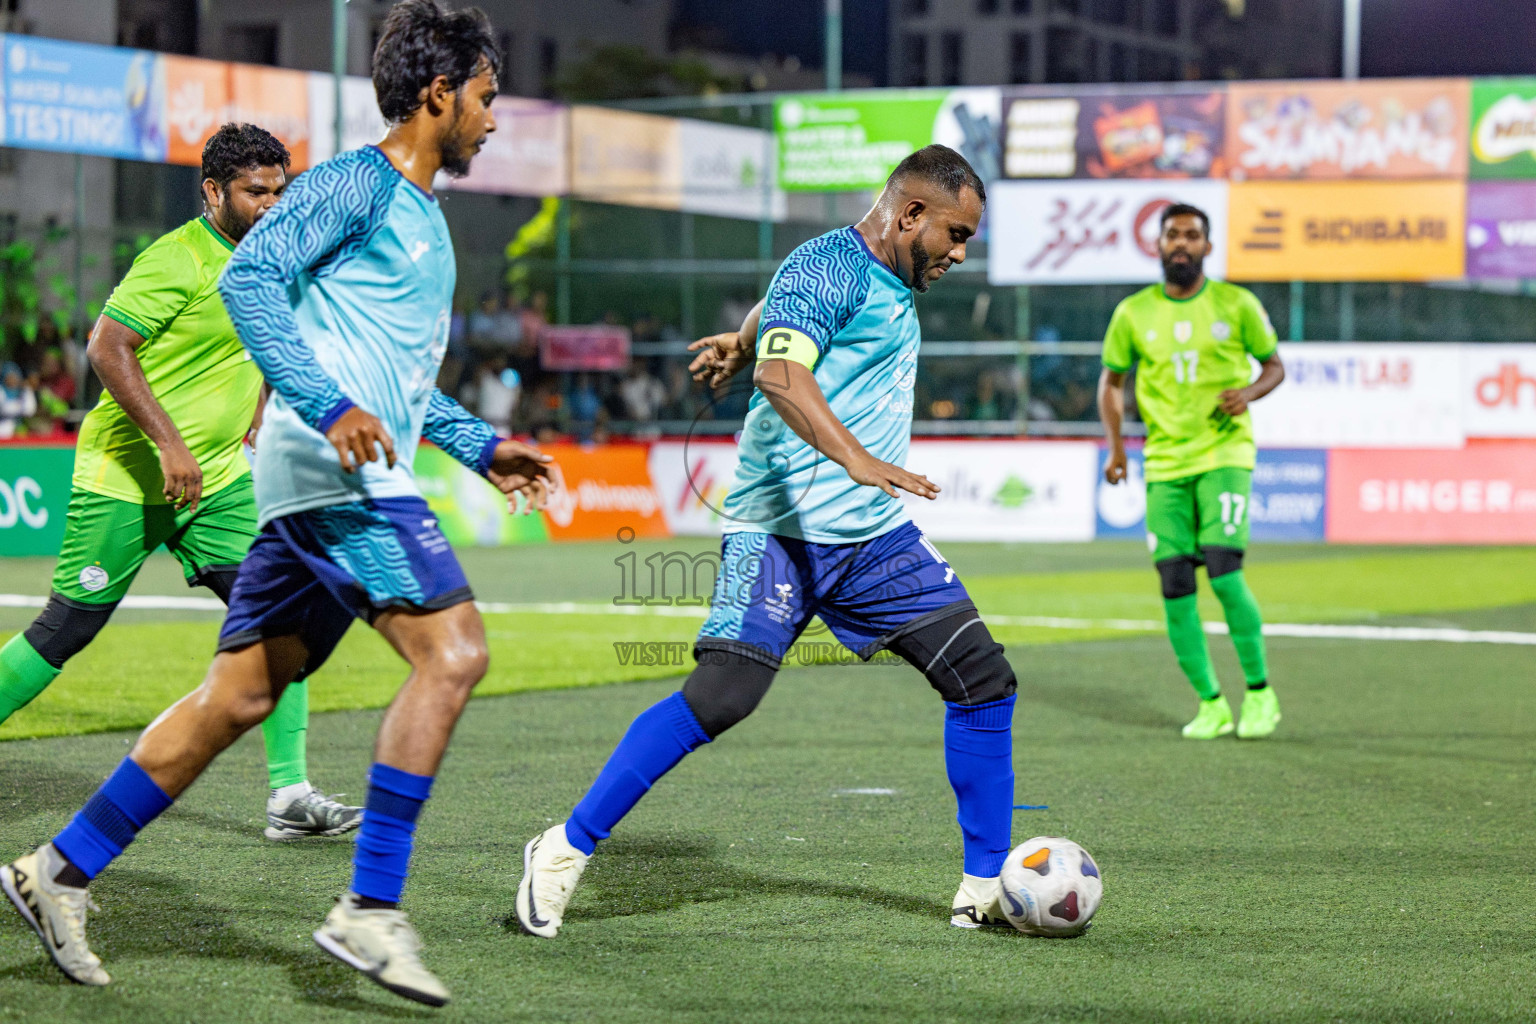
<point>769,587</point>
<point>311,573</point>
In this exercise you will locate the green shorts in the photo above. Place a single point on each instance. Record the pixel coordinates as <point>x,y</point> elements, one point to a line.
<point>1205,511</point>
<point>106,540</point>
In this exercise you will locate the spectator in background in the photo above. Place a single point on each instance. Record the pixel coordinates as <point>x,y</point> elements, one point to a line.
<point>497,393</point>
<point>585,405</point>
<point>534,319</point>
<point>508,323</point>
<point>18,402</point>
<point>643,395</point>
<point>984,403</point>
<point>55,379</point>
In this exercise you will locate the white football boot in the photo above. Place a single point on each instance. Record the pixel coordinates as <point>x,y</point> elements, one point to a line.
<point>383,945</point>
<point>56,912</point>
<point>551,869</point>
<point>978,904</point>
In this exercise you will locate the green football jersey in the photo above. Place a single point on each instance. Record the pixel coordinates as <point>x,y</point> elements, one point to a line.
<point>195,365</point>
<point>1188,352</point>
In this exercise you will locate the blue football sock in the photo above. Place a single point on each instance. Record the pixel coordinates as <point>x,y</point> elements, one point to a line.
<point>383,853</point>
<point>978,754</point>
<point>111,818</point>
<point>655,742</point>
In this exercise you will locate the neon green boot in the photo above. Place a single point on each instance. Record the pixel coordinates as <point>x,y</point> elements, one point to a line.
<point>1214,719</point>
<point>1261,714</point>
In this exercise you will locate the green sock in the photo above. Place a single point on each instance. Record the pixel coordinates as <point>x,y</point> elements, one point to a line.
<point>23,675</point>
<point>1244,623</point>
<point>1189,645</point>
<point>283,732</point>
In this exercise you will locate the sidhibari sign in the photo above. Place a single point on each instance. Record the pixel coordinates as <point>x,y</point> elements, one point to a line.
<point>847,141</point>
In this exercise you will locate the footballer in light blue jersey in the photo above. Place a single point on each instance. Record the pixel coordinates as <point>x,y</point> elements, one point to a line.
<point>815,529</point>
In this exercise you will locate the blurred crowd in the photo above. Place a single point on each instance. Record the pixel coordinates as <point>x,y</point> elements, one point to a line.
<point>39,381</point>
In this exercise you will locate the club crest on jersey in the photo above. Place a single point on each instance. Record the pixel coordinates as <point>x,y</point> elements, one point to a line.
<point>1183,331</point>
<point>93,578</point>
<point>779,605</point>
<point>1221,330</point>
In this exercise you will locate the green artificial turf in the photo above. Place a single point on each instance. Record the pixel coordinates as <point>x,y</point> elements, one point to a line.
<point>1369,863</point>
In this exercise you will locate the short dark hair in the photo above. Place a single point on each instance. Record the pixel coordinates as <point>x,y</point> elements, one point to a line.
<point>237,147</point>
<point>943,167</point>
<point>420,40</point>
<point>1184,210</point>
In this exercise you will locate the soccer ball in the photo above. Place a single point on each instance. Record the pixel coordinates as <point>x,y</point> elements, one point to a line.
<point>1050,887</point>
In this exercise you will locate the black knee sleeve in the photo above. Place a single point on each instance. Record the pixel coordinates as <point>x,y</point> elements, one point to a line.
<point>725,688</point>
<point>64,628</point>
<point>1220,561</point>
<point>1178,576</point>
<point>218,578</point>
<point>955,652</point>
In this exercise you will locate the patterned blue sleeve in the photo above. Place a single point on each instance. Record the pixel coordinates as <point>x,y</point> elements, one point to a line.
<point>452,428</point>
<point>326,217</point>
<point>818,289</point>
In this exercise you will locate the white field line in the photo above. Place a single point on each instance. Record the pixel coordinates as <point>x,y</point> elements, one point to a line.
<point>1303,630</point>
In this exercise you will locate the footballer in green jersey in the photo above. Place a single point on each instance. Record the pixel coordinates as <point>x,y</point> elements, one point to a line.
<point>1193,341</point>
<point>159,459</point>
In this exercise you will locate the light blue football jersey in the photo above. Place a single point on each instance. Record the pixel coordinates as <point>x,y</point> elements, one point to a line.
<point>342,294</point>
<point>862,319</point>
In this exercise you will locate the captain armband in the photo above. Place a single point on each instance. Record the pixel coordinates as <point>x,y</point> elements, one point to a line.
<point>788,343</point>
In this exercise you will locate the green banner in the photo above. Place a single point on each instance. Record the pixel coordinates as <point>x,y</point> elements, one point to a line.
<point>848,141</point>
<point>1503,128</point>
<point>34,496</point>
<point>470,511</point>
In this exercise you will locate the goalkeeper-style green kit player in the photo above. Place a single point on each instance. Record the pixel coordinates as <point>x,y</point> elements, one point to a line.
<point>159,459</point>
<point>1191,339</point>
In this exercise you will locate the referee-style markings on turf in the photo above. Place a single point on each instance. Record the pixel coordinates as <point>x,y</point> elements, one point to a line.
<point>1296,630</point>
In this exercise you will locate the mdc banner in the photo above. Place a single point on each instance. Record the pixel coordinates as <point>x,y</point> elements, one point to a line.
<point>1388,128</point>
<point>1005,490</point>
<point>1288,502</point>
<point>76,98</point>
<point>1346,231</point>
<point>1091,232</point>
<point>1499,390</point>
<point>1503,128</point>
<point>1115,135</point>
<point>201,95</point>
<point>693,477</point>
<point>1484,493</point>
<point>626,158</point>
<point>1501,229</point>
<point>845,141</point>
<point>34,496</point>
<point>1364,395</point>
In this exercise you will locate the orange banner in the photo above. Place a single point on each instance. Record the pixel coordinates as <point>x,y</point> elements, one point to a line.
<point>1346,231</point>
<point>1389,128</point>
<point>201,95</point>
<point>608,494</point>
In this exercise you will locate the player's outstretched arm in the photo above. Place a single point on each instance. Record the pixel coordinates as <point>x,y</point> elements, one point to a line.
<point>327,215</point>
<point>515,468</point>
<point>1112,415</point>
<point>725,355</point>
<point>791,389</point>
<point>113,354</point>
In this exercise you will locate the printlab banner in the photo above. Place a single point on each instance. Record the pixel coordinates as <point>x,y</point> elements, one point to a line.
<point>75,98</point>
<point>1115,135</point>
<point>1047,232</point>
<point>848,141</point>
<point>1288,501</point>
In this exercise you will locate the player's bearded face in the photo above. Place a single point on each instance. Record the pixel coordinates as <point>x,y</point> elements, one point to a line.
<point>1183,248</point>
<point>247,198</point>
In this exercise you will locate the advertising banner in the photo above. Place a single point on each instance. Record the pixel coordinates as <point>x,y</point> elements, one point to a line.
<point>1116,135</point>
<point>1482,494</point>
<point>1499,390</point>
<point>1005,490</point>
<point>361,125</point>
<point>469,510</point>
<point>626,158</point>
<point>1501,229</point>
<point>1091,232</point>
<point>34,496</point>
<point>201,95</point>
<point>1387,128</point>
<point>847,141</point>
<point>728,171</point>
<point>1364,396</point>
<point>579,347</point>
<point>608,494</point>
<point>1288,503</point>
<point>1347,231</point>
<point>75,98</point>
<point>527,153</point>
<point>1503,128</point>
<point>693,477</point>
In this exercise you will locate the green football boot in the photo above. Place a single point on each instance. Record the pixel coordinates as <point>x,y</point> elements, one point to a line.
<point>1261,713</point>
<point>1214,719</point>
